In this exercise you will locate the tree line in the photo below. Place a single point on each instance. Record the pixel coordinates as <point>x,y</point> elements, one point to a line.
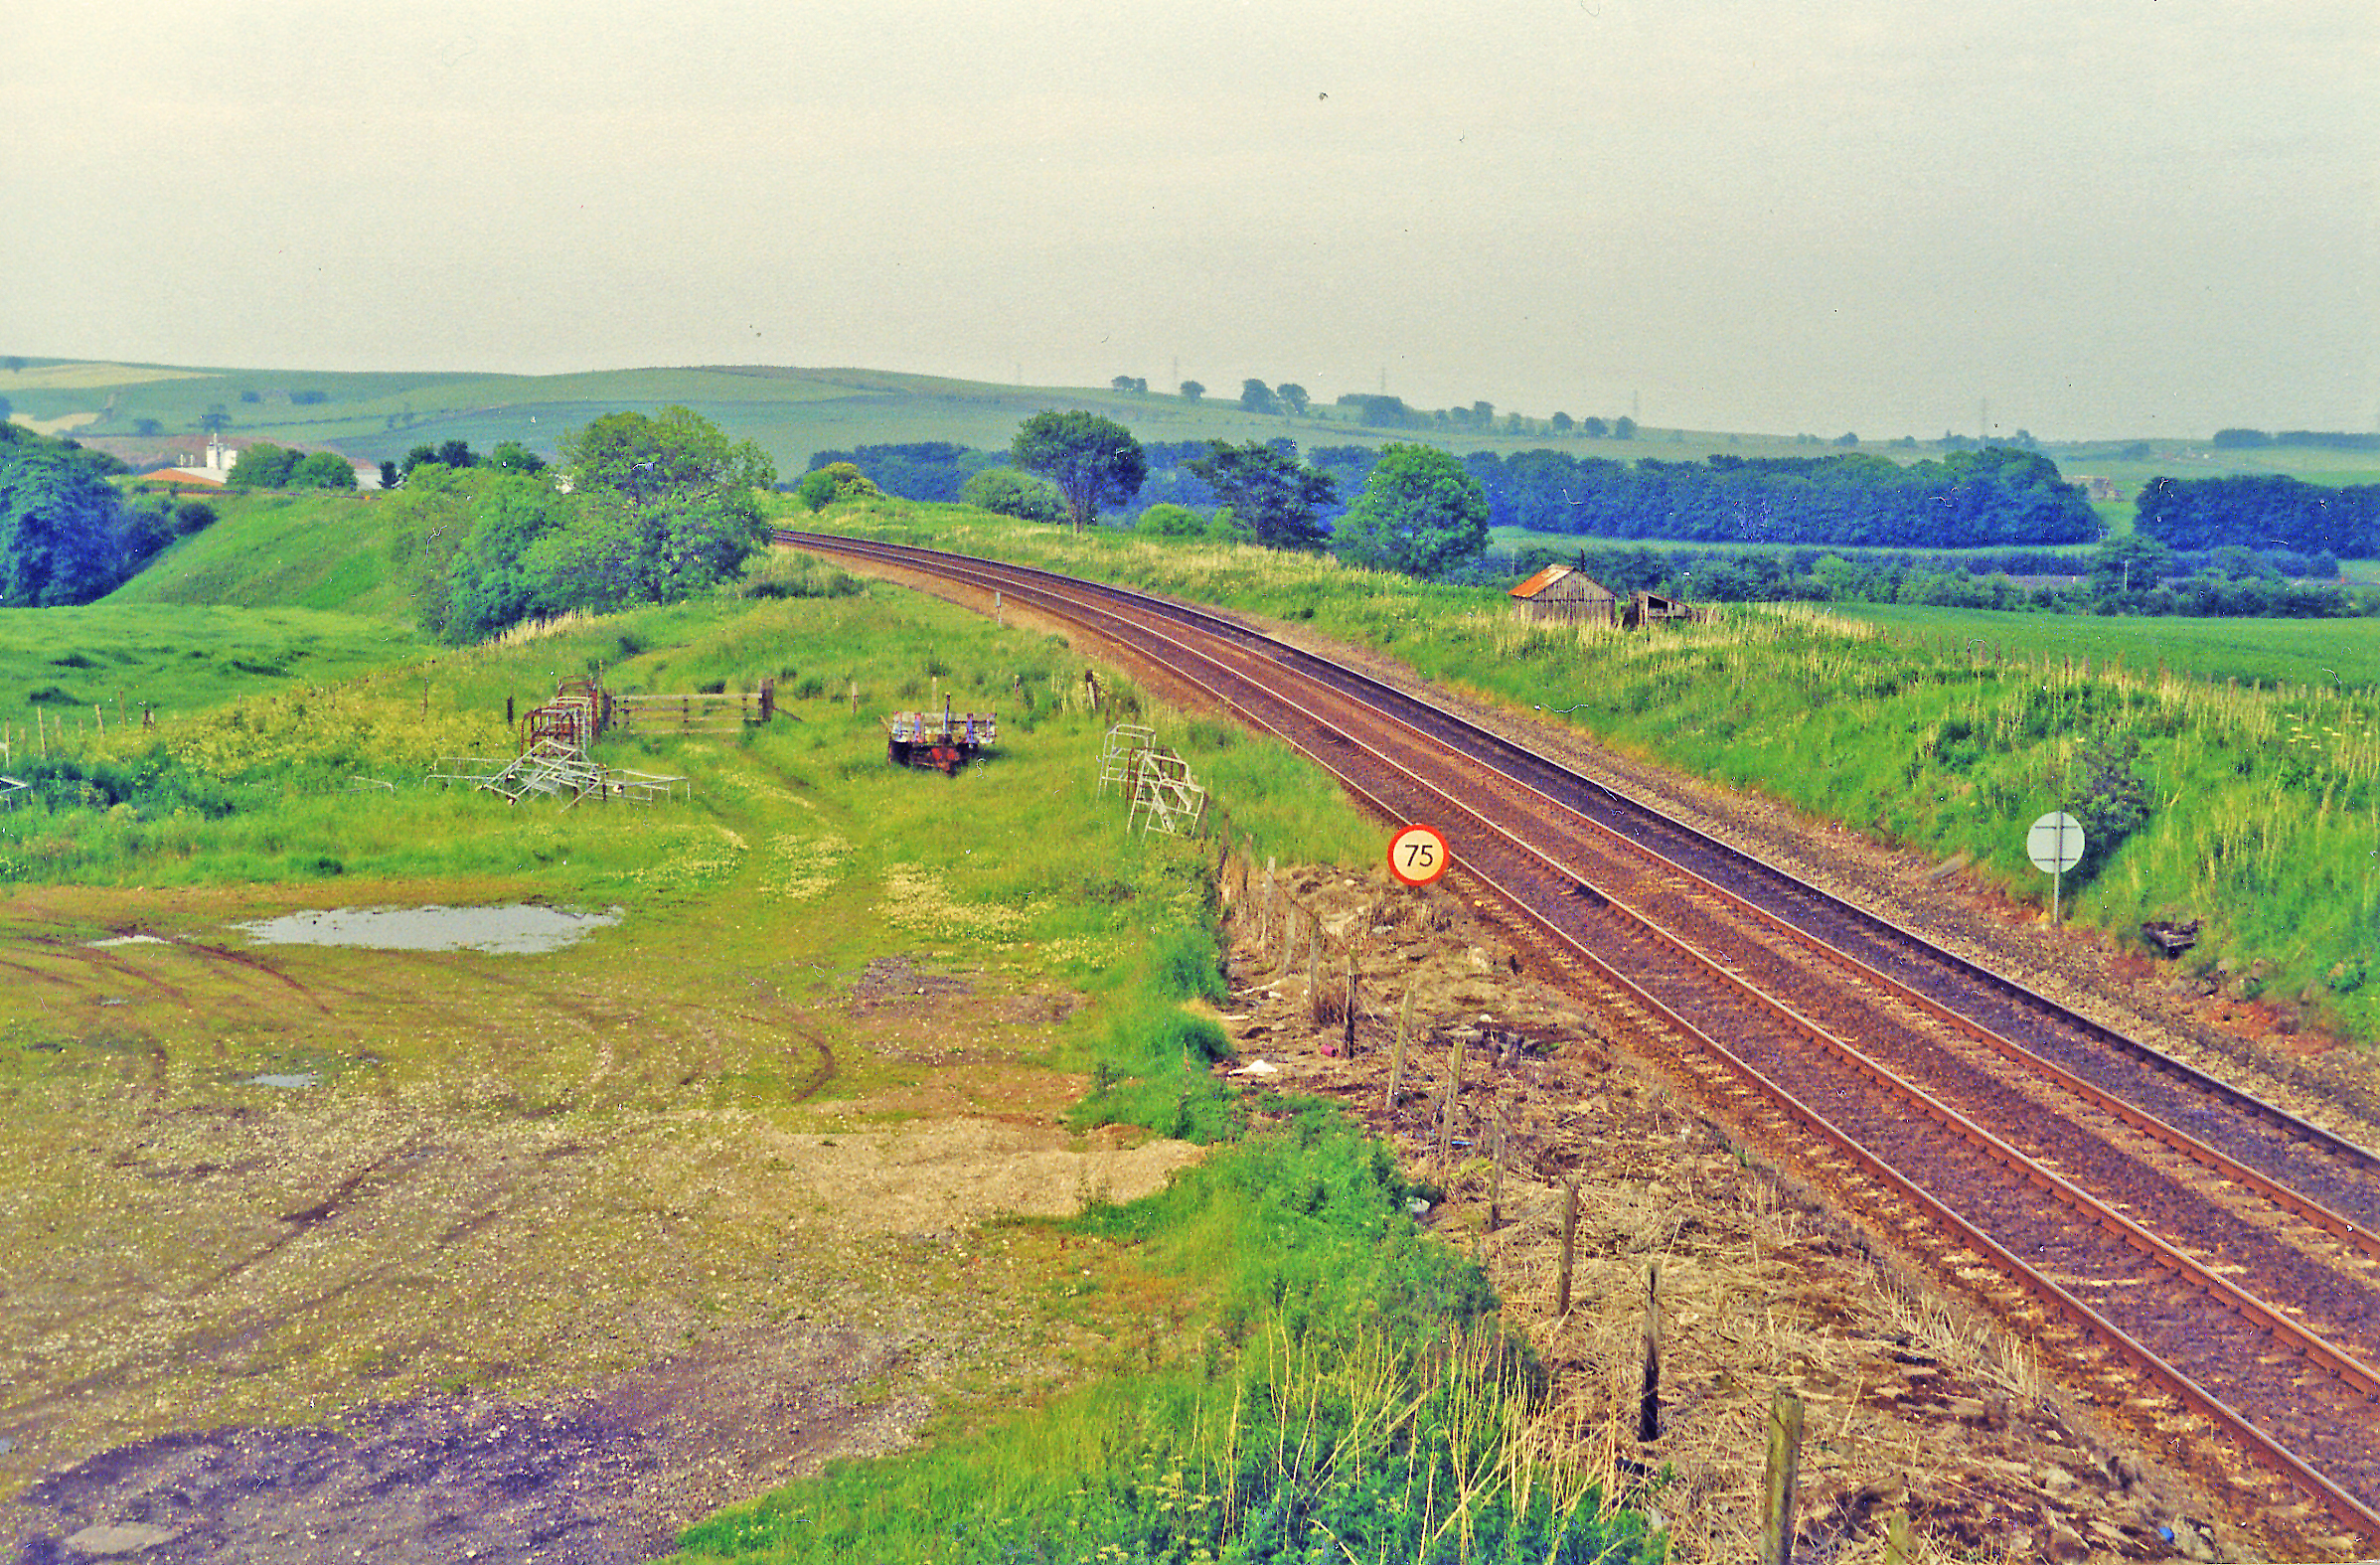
<point>2124,576</point>
<point>2258,510</point>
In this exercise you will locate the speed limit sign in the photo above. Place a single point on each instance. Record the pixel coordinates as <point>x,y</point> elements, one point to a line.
<point>1417,855</point>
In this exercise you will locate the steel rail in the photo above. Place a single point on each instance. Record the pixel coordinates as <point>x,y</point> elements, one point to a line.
<point>1508,754</point>
<point>2338,1363</point>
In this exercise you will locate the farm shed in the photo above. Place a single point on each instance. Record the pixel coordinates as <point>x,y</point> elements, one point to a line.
<point>1651,607</point>
<point>1565,593</point>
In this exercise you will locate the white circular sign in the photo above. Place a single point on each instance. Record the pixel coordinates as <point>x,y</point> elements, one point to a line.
<point>1417,855</point>
<point>2055,843</point>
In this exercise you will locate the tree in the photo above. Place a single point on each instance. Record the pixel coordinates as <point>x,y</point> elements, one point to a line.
<point>215,418</point>
<point>1420,512</point>
<point>2128,564</point>
<point>1595,427</point>
<point>1624,428</point>
<point>1257,398</point>
<point>676,452</point>
<point>1562,422</point>
<point>1294,397</point>
<point>1134,385</point>
<point>1275,498</point>
<point>322,470</point>
<point>1091,459</point>
<point>262,466</point>
<point>514,457</point>
<point>390,477</point>
<point>58,522</point>
<point>1192,391</point>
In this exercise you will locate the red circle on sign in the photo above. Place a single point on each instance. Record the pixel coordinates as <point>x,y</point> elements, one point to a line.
<point>1417,855</point>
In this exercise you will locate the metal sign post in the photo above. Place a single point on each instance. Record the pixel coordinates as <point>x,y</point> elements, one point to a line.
<point>2055,844</point>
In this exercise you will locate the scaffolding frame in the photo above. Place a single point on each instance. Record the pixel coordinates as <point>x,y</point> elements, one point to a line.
<point>1119,762</point>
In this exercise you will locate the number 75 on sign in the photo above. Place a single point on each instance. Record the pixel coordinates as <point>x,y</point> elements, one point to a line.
<point>1417,855</point>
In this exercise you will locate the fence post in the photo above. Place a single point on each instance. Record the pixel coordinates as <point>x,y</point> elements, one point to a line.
<point>1396,1059</point>
<point>1347,1039</point>
<point>1561,1284</point>
<point>1776,1484</point>
<point>1454,1098</point>
<point>1649,1399</point>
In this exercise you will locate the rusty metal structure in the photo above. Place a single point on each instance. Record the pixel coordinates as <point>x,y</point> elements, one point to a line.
<point>941,741</point>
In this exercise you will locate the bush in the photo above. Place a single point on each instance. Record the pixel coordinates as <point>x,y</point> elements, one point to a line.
<point>1167,520</point>
<point>1009,493</point>
<point>833,482</point>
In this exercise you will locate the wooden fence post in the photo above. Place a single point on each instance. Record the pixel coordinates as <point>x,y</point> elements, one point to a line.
<point>1776,1484</point>
<point>1648,1400</point>
<point>1347,1037</point>
<point>1495,1180</point>
<point>1396,1057</point>
<point>1561,1285</point>
<point>1454,1098</point>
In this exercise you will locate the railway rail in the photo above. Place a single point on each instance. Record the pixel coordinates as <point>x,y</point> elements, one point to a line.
<point>2162,1226</point>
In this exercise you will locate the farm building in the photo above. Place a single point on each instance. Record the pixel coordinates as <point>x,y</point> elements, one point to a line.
<point>1565,593</point>
<point>1651,608</point>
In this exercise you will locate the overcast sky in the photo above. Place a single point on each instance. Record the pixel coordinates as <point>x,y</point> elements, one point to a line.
<point>2097,217</point>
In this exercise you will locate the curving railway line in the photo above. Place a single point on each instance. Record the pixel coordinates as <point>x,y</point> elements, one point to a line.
<point>2179,1244</point>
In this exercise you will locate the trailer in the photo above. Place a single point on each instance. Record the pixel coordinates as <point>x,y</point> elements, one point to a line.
<point>940,742</point>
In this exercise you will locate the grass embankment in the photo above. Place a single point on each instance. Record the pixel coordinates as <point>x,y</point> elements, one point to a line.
<point>2263,798</point>
<point>351,553</point>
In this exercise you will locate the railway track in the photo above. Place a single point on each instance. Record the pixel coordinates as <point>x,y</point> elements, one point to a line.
<point>2175,1241</point>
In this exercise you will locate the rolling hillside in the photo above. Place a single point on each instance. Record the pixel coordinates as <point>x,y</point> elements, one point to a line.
<point>138,412</point>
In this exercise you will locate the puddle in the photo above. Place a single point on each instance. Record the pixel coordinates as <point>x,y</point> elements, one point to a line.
<point>291,1081</point>
<point>131,940</point>
<point>524,928</point>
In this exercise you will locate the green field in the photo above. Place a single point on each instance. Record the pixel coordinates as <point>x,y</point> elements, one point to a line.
<point>2305,653</point>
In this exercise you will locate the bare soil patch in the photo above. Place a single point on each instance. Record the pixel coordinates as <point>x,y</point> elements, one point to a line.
<point>547,1261</point>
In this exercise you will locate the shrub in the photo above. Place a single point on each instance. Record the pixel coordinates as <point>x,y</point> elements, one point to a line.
<point>1009,493</point>
<point>1168,520</point>
<point>833,482</point>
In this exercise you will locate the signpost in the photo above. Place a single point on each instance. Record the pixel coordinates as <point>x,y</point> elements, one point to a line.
<point>2056,845</point>
<point>1417,855</point>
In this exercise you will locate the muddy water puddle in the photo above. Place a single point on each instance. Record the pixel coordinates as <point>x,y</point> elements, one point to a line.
<point>522,929</point>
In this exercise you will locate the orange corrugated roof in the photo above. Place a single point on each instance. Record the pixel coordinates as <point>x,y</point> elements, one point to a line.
<point>1542,580</point>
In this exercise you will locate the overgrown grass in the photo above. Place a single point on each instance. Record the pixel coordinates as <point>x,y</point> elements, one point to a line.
<point>1344,1395</point>
<point>173,660</point>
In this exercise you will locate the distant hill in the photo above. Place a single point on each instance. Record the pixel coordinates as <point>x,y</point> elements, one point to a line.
<point>138,410</point>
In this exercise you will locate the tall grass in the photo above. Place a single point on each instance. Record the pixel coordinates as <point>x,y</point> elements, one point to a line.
<point>1344,1395</point>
